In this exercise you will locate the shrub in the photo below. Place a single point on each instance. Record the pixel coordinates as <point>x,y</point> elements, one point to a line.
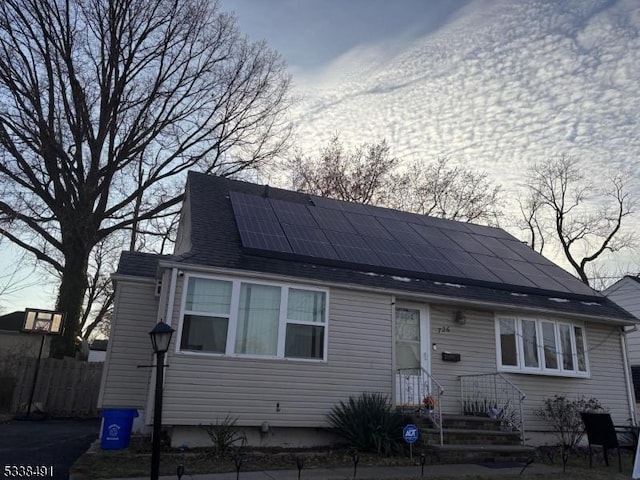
<point>564,416</point>
<point>225,435</point>
<point>369,423</point>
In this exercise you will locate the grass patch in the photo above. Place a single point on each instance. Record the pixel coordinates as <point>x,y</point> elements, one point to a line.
<point>135,462</point>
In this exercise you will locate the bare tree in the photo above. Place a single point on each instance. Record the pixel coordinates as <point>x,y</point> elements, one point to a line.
<point>580,215</point>
<point>441,190</point>
<point>104,106</point>
<point>370,175</point>
<point>361,175</point>
<point>99,296</point>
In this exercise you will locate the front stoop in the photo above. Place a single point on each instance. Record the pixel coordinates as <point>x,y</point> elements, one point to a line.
<point>473,440</point>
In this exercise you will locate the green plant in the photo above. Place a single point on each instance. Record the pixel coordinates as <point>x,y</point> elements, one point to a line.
<point>369,423</point>
<point>225,435</point>
<point>564,416</point>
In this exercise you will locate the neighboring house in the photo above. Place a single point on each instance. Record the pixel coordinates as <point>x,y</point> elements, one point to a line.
<point>285,304</point>
<point>15,342</point>
<point>97,351</point>
<point>626,293</point>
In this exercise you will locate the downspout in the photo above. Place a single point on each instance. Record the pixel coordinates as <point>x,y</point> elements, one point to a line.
<point>627,376</point>
<point>172,296</point>
<point>167,319</point>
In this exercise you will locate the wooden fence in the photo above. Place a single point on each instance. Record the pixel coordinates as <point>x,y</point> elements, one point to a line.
<point>65,388</point>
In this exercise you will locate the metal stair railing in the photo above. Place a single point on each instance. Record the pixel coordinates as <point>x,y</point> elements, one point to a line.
<point>492,395</point>
<point>417,389</point>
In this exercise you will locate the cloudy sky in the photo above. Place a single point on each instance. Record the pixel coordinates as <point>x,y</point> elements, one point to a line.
<point>493,84</point>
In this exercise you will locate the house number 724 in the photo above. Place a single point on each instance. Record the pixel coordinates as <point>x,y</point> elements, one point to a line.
<point>444,329</point>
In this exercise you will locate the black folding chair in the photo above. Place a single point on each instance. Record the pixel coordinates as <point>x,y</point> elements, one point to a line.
<point>601,432</point>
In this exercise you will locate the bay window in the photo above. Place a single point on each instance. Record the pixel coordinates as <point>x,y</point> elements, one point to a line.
<point>548,347</point>
<point>242,318</point>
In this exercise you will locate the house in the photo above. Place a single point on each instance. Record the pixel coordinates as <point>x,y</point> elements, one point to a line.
<point>285,304</point>
<point>626,293</point>
<point>14,342</point>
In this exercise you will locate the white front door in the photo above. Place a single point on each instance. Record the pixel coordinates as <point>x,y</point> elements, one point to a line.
<point>412,353</point>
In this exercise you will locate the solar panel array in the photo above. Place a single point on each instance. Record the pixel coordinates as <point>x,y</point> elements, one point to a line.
<point>335,231</point>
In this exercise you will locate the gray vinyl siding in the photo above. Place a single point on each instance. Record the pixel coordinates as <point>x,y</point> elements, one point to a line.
<point>201,389</point>
<point>626,293</point>
<point>135,314</point>
<point>475,341</point>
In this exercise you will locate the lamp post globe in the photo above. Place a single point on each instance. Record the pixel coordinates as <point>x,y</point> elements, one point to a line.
<point>161,337</point>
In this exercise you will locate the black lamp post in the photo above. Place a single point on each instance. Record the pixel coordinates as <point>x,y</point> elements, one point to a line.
<point>160,339</point>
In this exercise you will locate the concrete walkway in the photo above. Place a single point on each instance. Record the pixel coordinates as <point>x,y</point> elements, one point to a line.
<point>371,473</point>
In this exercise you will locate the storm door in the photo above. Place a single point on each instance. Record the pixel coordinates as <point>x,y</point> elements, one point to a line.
<point>411,354</point>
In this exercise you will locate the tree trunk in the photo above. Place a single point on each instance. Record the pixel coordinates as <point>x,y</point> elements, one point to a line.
<point>70,299</point>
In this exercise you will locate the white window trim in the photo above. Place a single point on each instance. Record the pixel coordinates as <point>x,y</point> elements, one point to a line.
<point>233,318</point>
<point>542,369</point>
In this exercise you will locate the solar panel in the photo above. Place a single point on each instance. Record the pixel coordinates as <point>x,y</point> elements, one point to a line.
<point>470,267</point>
<point>524,251</point>
<point>439,267</point>
<point>252,206</point>
<point>302,232</point>
<point>293,213</point>
<point>262,235</point>
<point>402,231</point>
<point>367,225</point>
<point>364,235</point>
<point>333,220</point>
<point>309,248</point>
<point>384,245</point>
<point>435,237</point>
<point>504,271</point>
<point>466,242</point>
<point>499,249</point>
<point>564,278</point>
<point>425,251</point>
<point>535,275</point>
<point>364,256</point>
<point>397,261</point>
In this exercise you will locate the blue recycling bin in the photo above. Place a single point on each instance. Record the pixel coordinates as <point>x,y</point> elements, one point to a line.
<point>116,427</point>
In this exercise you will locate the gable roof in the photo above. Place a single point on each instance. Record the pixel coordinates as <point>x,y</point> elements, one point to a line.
<point>244,226</point>
<point>12,322</point>
<point>138,264</point>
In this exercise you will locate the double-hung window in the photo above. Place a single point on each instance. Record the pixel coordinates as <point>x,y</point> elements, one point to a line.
<point>239,318</point>
<point>548,347</point>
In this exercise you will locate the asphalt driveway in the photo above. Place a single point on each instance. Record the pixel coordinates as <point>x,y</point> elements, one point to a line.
<point>56,443</point>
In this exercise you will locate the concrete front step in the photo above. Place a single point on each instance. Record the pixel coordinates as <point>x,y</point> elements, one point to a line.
<point>481,453</point>
<point>462,436</point>
<point>470,422</point>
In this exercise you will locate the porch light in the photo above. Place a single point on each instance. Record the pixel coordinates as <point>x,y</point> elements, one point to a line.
<point>161,337</point>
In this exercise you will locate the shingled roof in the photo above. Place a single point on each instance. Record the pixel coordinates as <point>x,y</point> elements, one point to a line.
<point>245,226</point>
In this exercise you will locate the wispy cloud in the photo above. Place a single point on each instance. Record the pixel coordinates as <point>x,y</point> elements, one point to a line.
<point>501,85</point>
